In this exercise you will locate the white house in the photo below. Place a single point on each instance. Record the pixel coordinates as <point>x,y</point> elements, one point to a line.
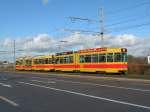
<point>148,59</point>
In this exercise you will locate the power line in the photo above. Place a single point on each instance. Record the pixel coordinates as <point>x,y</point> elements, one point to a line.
<point>132,26</point>
<point>81,30</point>
<point>61,42</point>
<point>125,21</point>
<point>72,18</point>
<point>101,21</point>
<point>127,8</point>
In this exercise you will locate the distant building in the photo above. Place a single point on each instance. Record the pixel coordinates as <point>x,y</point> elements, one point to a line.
<point>5,64</point>
<point>148,59</point>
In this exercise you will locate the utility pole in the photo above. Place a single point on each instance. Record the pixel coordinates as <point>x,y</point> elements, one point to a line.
<point>100,21</point>
<point>61,47</point>
<point>102,26</point>
<point>148,57</point>
<point>14,46</point>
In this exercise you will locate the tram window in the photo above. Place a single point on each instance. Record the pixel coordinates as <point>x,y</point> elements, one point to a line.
<point>35,61</point>
<point>40,61</point>
<point>21,62</point>
<point>43,61</point>
<point>65,60</point>
<point>94,58</point>
<point>82,59</point>
<point>102,58</point>
<point>70,59</point>
<point>117,57</point>
<point>87,58</point>
<point>57,61</point>
<point>28,63</point>
<point>25,62</point>
<point>17,63</point>
<point>124,56</point>
<point>46,61</point>
<point>110,57</point>
<point>50,61</point>
<point>61,60</point>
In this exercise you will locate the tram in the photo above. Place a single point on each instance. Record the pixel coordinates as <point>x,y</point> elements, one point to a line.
<point>44,63</point>
<point>24,63</point>
<point>100,60</point>
<point>103,60</point>
<point>19,63</point>
<point>66,61</point>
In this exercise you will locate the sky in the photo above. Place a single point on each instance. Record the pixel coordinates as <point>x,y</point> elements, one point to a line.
<point>37,25</point>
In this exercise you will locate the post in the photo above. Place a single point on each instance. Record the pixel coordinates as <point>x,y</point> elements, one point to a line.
<point>102,26</point>
<point>61,47</point>
<point>14,46</point>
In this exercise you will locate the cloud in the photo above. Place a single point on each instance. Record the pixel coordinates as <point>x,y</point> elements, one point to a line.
<point>137,46</point>
<point>8,43</point>
<point>125,40</point>
<point>45,2</point>
<point>45,44</point>
<point>39,43</point>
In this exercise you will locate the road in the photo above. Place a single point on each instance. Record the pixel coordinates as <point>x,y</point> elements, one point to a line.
<point>52,93</point>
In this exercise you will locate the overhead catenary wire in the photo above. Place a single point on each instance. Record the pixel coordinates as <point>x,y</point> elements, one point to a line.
<point>126,21</point>
<point>81,30</point>
<point>131,26</point>
<point>73,18</point>
<point>117,23</point>
<point>128,8</point>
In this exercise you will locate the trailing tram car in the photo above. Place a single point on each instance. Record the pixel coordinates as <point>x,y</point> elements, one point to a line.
<point>66,61</point>
<point>19,63</point>
<point>24,63</point>
<point>44,63</point>
<point>27,63</point>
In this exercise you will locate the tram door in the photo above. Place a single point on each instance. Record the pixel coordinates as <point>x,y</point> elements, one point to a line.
<point>76,62</point>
